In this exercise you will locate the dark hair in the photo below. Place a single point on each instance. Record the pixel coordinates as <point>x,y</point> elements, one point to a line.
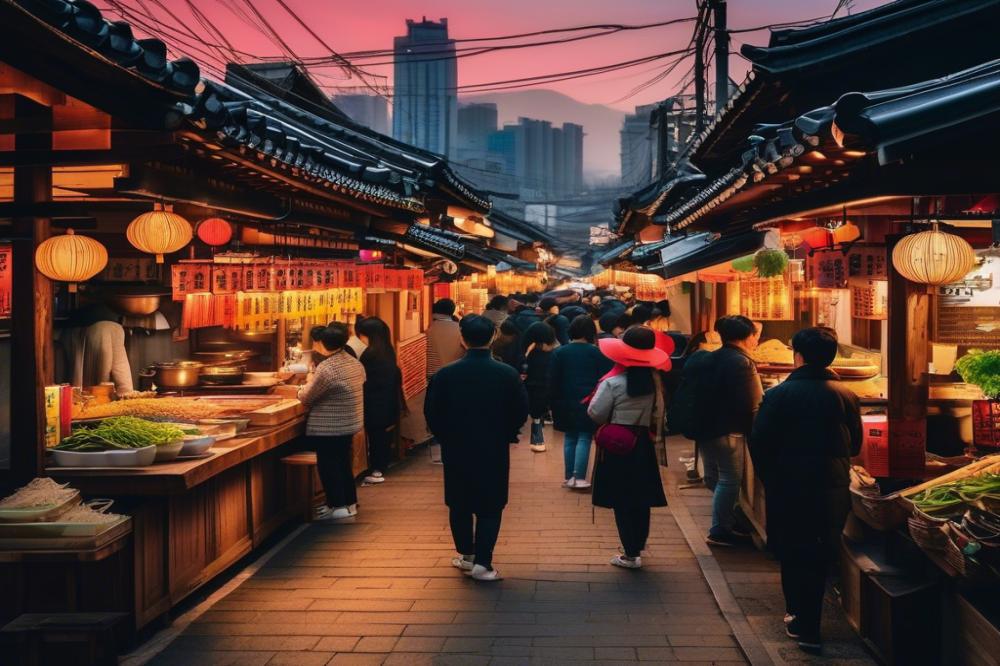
<point>695,343</point>
<point>316,331</point>
<point>662,308</point>
<point>733,328</point>
<point>444,306</point>
<point>582,328</point>
<point>498,302</point>
<point>817,345</point>
<point>547,303</point>
<point>540,333</point>
<point>379,337</point>
<point>477,331</point>
<point>641,314</point>
<point>608,321</point>
<point>334,336</point>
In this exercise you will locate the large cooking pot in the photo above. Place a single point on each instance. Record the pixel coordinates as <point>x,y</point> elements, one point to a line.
<point>226,375</point>
<point>174,374</point>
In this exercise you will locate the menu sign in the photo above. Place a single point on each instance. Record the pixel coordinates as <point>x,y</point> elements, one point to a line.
<point>907,447</point>
<point>829,270</point>
<point>6,280</point>
<point>968,311</point>
<point>867,262</point>
<point>869,299</point>
<point>766,299</point>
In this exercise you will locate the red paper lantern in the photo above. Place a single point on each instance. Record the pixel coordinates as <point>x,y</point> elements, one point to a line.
<point>215,231</point>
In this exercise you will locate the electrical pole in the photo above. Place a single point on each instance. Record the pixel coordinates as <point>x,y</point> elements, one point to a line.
<point>699,73</point>
<point>721,55</point>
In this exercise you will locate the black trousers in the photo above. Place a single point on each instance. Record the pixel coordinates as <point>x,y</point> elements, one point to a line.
<point>633,528</point>
<point>482,542</point>
<point>379,450</point>
<point>804,567</point>
<point>334,458</point>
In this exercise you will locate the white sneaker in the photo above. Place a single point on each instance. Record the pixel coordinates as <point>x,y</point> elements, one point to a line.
<point>538,448</point>
<point>627,562</point>
<point>479,572</point>
<point>340,513</point>
<point>463,562</point>
<point>375,477</point>
<point>568,483</point>
<point>581,484</point>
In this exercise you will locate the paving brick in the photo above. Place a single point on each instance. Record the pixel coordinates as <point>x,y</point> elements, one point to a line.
<point>419,644</point>
<point>300,659</point>
<point>375,644</point>
<point>337,643</point>
<point>356,659</point>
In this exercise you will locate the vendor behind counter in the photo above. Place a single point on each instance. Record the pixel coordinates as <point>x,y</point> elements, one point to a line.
<point>94,344</point>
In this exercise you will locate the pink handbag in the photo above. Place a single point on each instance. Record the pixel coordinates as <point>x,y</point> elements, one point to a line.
<point>616,439</point>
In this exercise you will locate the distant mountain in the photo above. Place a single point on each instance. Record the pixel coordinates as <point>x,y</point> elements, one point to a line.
<point>601,124</point>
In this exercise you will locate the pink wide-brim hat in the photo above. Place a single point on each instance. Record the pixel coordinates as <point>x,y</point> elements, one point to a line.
<point>632,357</point>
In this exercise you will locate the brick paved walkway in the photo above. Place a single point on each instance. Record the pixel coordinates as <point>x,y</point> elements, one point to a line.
<point>381,591</point>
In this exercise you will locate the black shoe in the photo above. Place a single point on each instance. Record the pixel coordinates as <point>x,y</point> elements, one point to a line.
<point>811,645</point>
<point>726,540</point>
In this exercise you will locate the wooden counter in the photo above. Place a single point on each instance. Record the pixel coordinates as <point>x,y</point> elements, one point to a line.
<point>194,519</point>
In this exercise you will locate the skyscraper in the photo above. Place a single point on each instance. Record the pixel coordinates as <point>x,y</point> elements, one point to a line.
<point>475,124</point>
<point>372,111</point>
<point>425,96</point>
<point>637,147</point>
<point>545,161</point>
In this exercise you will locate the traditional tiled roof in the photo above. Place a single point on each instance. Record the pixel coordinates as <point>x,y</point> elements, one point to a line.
<point>113,40</point>
<point>893,124</point>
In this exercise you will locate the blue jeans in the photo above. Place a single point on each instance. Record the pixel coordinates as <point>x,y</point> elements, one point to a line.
<point>576,453</point>
<point>723,462</point>
<point>537,431</point>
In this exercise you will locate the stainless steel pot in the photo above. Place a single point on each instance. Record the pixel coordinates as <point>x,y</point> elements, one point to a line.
<point>174,374</point>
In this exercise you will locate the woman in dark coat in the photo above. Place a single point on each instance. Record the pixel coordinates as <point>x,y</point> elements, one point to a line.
<point>573,375</point>
<point>541,340</point>
<point>507,348</point>
<point>631,396</point>
<point>383,394</point>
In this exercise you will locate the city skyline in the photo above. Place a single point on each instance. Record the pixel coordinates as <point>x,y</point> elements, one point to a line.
<point>378,23</point>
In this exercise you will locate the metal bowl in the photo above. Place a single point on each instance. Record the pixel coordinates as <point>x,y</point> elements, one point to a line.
<point>224,375</point>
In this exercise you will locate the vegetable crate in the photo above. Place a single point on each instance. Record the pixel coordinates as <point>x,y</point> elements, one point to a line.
<point>986,424</point>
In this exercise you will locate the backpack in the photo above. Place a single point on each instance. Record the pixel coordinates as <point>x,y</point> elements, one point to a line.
<point>690,406</point>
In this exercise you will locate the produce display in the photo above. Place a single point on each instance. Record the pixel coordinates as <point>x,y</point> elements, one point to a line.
<point>39,493</point>
<point>156,408</point>
<point>123,432</point>
<point>956,494</point>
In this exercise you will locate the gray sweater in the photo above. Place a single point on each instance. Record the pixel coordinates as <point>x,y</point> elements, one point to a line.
<point>612,404</point>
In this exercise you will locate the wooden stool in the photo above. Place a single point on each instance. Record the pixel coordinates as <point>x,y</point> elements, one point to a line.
<point>305,490</point>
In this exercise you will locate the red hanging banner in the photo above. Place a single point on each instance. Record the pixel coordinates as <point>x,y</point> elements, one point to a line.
<point>6,280</point>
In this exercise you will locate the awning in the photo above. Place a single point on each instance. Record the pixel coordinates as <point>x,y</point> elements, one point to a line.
<point>615,254</point>
<point>697,251</point>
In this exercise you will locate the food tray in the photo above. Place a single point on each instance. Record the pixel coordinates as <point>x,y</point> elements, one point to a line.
<point>131,458</point>
<point>39,514</point>
<point>168,452</point>
<point>53,530</point>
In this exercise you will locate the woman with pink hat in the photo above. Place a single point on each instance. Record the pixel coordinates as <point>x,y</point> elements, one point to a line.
<point>629,407</point>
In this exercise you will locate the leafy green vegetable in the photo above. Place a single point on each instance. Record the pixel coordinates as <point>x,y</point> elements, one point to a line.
<point>952,495</point>
<point>981,368</point>
<point>770,263</point>
<point>122,432</point>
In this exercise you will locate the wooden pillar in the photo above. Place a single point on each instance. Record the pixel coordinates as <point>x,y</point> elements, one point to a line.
<point>32,366</point>
<point>907,344</point>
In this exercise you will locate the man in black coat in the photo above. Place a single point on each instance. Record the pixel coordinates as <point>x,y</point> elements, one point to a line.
<point>728,418</point>
<point>475,408</point>
<point>806,431</point>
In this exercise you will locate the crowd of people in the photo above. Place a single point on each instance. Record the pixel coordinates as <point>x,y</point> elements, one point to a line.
<point>606,373</point>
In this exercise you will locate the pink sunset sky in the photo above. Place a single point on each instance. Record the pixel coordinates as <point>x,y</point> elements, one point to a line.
<point>354,26</point>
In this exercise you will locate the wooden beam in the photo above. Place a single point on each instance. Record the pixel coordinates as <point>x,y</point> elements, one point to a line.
<point>32,366</point>
<point>909,319</point>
